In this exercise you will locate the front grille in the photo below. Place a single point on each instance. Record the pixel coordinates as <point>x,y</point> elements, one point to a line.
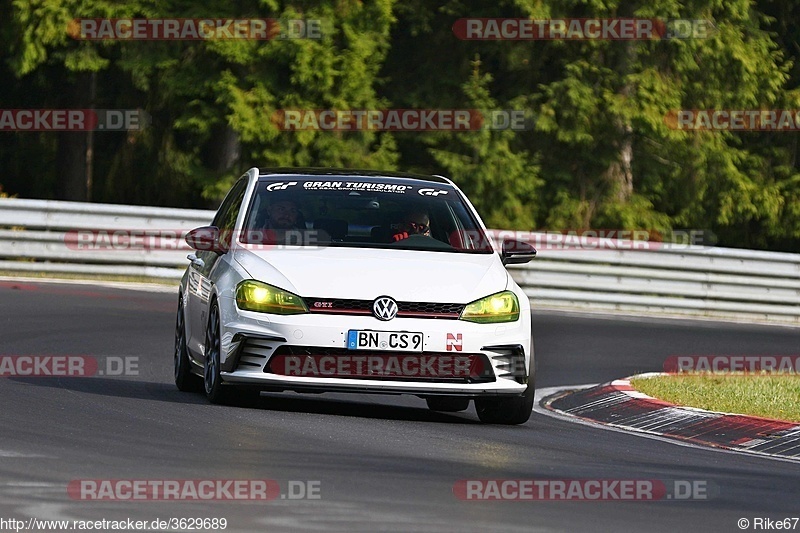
<point>337,306</point>
<point>477,370</point>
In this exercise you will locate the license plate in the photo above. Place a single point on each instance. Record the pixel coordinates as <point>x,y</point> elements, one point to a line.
<point>399,341</point>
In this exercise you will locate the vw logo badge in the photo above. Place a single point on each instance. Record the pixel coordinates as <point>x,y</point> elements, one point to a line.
<point>384,308</point>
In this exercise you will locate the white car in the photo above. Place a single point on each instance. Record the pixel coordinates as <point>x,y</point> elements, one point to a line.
<point>321,280</point>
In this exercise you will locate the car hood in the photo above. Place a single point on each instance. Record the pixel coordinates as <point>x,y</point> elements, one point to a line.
<point>365,274</point>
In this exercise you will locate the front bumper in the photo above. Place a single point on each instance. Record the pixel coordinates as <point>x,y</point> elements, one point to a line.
<point>250,340</point>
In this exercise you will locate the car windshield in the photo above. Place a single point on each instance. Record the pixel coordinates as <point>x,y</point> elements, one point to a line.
<point>360,212</point>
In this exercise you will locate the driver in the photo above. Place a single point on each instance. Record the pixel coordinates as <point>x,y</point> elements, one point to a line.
<point>283,214</point>
<point>415,223</point>
<point>277,223</point>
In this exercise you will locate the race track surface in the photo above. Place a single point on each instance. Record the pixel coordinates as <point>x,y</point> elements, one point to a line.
<point>383,462</point>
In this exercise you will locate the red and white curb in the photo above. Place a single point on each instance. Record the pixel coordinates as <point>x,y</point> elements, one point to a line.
<point>617,404</point>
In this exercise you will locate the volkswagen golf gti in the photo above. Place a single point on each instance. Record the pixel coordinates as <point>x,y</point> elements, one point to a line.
<point>322,280</point>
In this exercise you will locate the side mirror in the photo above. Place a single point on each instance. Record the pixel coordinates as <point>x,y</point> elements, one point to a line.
<point>205,239</point>
<point>516,252</point>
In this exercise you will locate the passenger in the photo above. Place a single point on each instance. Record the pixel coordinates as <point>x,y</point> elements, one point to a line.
<point>415,223</point>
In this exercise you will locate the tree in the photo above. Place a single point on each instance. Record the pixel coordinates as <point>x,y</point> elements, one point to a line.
<point>501,180</point>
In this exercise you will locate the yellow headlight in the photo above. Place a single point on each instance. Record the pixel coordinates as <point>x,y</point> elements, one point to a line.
<point>252,295</point>
<point>500,307</point>
<point>259,294</point>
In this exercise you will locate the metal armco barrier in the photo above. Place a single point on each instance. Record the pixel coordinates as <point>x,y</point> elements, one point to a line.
<point>45,236</point>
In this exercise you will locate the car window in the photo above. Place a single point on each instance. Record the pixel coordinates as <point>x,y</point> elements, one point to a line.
<point>225,218</point>
<point>355,212</point>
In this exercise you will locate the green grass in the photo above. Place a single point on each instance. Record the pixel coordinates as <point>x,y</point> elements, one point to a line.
<point>770,396</point>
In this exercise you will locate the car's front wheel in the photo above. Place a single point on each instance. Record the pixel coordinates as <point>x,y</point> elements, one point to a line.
<point>216,391</point>
<point>514,410</point>
<point>184,379</point>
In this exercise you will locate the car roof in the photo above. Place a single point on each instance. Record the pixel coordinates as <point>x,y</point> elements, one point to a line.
<point>266,174</point>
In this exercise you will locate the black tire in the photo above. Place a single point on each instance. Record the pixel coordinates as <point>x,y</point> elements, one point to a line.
<point>185,380</point>
<point>509,411</point>
<point>216,391</point>
<point>447,404</point>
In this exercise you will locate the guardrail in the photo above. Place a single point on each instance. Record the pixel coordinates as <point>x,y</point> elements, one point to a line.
<point>42,236</point>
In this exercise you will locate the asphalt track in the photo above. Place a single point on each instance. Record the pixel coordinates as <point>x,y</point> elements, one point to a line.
<point>384,462</point>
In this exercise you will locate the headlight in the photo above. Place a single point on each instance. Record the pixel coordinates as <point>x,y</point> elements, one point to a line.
<point>500,307</point>
<point>252,295</point>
